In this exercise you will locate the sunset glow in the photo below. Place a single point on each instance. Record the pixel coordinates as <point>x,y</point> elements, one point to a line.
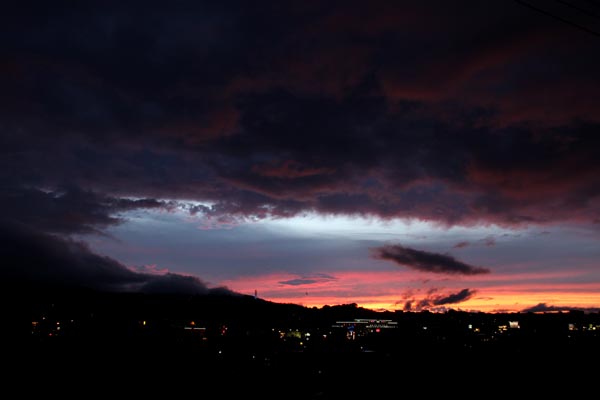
<point>391,291</point>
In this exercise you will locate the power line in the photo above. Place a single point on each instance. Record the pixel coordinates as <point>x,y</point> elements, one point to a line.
<point>559,18</point>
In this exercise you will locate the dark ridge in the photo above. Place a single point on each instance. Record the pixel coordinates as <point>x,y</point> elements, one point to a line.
<point>90,336</point>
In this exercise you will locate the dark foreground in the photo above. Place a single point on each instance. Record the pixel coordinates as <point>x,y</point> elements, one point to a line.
<point>225,347</point>
<point>174,370</point>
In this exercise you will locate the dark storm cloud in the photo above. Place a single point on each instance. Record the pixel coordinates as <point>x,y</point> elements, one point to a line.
<point>454,298</point>
<point>44,261</point>
<point>474,113</point>
<point>69,210</point>
<point>425,261</point>
<point>436,301</point>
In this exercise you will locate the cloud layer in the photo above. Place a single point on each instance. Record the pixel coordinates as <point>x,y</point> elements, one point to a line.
<point>544,307</point>
<point>48,262</point>
<point>435,301</point>
<point>276,109</point>
<point>424,261</point>
<point>70,210</point>
<point>308,280</point>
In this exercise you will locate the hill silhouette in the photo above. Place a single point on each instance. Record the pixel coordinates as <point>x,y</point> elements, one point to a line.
<point>269,345</point>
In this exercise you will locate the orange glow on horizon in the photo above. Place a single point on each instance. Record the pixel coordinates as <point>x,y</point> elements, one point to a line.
<point>390,290</point>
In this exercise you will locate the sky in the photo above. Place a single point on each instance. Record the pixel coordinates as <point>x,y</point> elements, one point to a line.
<point>398,155</point>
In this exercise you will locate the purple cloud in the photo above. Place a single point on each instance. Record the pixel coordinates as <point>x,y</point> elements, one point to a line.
<point>451,135</point>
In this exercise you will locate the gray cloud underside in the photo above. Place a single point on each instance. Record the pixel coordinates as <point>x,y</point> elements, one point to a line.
<point>424,261</point>
<point>33,259</point>
<point>280,109</point>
